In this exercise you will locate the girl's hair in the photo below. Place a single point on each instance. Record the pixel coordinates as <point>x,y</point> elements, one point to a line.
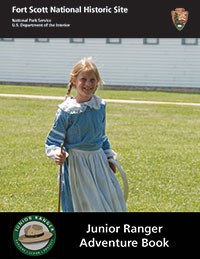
<point>85,64</point>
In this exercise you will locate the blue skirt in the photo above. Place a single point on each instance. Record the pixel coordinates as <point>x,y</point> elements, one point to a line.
<point>89,184</point>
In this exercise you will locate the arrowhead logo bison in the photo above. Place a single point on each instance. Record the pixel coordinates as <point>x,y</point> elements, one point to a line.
<point>179,18</point>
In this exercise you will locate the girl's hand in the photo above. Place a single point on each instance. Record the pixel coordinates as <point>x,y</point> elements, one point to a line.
<point>60,157</point>
<point>112,166</point>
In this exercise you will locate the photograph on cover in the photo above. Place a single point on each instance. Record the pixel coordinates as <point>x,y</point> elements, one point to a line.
<point>100,124</point>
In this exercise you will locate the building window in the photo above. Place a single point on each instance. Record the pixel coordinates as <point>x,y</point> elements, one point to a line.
<point>151,41</point>
<point>77,40</point>
<point>113,41</point>
<point>189,41</point>
<point>42,40</point>
<point>6,39</point>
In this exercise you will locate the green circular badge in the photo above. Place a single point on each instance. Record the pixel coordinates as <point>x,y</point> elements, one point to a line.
<point>34,235</point>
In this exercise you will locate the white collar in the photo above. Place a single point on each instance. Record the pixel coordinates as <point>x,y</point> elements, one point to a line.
<point>72,106</point>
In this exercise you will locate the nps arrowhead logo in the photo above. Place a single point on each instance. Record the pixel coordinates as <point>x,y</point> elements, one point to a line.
<point>179,18</point>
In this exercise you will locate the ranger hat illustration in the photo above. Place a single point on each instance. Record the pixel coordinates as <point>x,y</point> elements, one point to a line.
<point>34,233</point>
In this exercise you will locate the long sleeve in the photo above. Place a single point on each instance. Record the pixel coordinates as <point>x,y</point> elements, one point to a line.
<point>106,144</point>
<point>57,134</point>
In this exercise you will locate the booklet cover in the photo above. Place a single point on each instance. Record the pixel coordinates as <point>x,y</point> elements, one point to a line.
<point>88,88</point>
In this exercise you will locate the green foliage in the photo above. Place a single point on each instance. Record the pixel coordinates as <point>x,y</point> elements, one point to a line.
<point>157,145</point>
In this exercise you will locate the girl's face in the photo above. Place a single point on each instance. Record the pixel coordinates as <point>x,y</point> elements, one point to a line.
<point>86,85</point>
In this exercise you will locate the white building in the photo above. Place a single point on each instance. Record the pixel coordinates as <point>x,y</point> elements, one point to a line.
<point>128,62</point>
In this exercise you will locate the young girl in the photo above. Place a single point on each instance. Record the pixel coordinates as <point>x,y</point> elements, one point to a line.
<point>88,180</point>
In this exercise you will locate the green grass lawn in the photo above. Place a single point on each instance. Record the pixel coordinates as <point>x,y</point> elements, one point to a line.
<point>108,94</point>
<point>157,145</point>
